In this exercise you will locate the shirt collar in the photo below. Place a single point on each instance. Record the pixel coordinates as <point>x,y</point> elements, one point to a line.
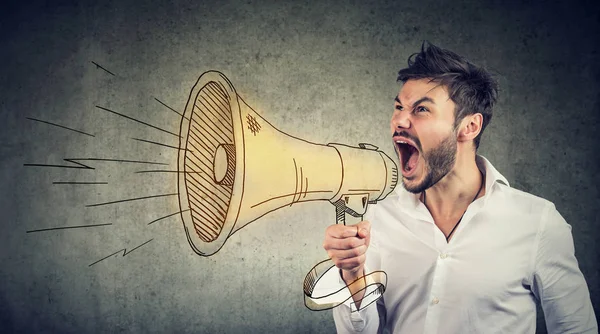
<point>492,176</point>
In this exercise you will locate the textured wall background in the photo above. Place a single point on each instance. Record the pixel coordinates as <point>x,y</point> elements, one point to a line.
<point>324,71</point>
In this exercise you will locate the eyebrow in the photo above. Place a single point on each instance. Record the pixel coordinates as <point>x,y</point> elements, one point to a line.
<point>421,100</point>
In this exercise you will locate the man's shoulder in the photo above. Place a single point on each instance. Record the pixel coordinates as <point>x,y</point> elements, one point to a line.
<point>523,201</point>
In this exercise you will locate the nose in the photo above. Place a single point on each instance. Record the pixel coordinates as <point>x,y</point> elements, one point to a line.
<point>400,120</point>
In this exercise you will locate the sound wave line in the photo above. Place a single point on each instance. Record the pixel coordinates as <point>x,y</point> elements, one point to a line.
<point>137,120</point>
<point>167,216</point>
<point>130,199</point>
<point>105,70</point>
<point>76,182</point>
<point>83,166</point>
<point>73,161</point>
<point>60,126</point>
<point>161,144</point>
<point>175,111</point>
<point>124,250</point>
<point>168,171</point>
<point>66,227</point>
<point>122,160</point>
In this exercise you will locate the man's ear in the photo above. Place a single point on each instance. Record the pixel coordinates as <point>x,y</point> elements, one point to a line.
<point>470,127</point>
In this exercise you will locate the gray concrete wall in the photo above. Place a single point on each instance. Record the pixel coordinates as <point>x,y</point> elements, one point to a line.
<point>324,71</point>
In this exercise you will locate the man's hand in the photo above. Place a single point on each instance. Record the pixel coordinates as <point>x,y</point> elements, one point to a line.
<point>346,246</point>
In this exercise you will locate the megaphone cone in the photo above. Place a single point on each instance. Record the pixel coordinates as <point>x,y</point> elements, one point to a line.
<point>234,167</point>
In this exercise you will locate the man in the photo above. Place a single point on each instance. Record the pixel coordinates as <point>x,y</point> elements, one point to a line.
<point>463,252</point>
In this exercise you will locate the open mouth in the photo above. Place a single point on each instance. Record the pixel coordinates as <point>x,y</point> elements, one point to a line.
<point>409,156</point>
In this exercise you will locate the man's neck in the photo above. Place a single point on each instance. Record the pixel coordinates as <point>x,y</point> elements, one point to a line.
<point>451,196</point>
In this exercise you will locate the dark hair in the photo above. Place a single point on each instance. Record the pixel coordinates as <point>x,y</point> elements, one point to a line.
<point>470,87</point>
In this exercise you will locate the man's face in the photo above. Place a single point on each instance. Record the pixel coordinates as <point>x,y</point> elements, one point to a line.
<point>423,133</point>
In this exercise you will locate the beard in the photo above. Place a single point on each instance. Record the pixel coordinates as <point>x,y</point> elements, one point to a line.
<point>439,162</point>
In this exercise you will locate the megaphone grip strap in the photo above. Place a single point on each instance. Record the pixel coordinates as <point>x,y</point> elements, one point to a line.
<point>320,294</point>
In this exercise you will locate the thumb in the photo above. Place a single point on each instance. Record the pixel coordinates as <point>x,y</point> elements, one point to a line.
<point>363,229</point>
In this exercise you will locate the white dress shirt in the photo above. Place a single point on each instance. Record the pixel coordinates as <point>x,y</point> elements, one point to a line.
<point>510,250</point>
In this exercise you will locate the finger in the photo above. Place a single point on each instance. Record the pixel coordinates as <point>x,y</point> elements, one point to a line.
<point>342,254</point>
<point>351,264</point>
<point>343,244</point>
<point>363,229</point>
<point>341,231</point>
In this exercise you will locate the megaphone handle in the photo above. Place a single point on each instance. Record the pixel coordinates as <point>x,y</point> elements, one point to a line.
<point>352,220</point>
<point>375,281</point>
<point>344,217</point>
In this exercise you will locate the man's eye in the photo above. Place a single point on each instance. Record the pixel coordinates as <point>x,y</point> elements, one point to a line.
<point>399,107</point>
<point>421,109</point>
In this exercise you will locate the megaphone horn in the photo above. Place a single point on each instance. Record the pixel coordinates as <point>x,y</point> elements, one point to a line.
<point>234,167</point>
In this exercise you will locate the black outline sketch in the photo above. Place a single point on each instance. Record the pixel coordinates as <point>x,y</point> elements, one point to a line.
<point>164,104</point>
<point>167,216</point>
<point>105,70</point>
<point>222,141</point>
<point>165,171</point>
<point>66,227</point>
<point>124,250</point>
<point>137,120</point>
<point>73,161</point>
<point>123,160</point>
<point>60,126</point>
<point>77,182</point>
<point>155,143</point>
<point>77,163</point>
<point>374,287</point>
<point>129,200</point>
<point>83,166</point>
<point>216,153</point>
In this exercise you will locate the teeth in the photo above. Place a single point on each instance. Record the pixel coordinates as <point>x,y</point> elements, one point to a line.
<point>401,142</point>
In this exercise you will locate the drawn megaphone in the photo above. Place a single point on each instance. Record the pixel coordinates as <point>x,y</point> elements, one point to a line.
<point>234,167</point>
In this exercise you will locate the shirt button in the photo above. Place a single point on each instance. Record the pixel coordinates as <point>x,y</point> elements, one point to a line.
<point>435,301</point>
<point>443,256</point>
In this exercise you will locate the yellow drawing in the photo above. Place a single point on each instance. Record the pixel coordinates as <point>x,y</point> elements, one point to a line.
<point>234,167</point>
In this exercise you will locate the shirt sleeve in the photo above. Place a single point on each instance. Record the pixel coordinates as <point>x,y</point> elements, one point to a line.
<point>558,283</point>
<point>365,320</point>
